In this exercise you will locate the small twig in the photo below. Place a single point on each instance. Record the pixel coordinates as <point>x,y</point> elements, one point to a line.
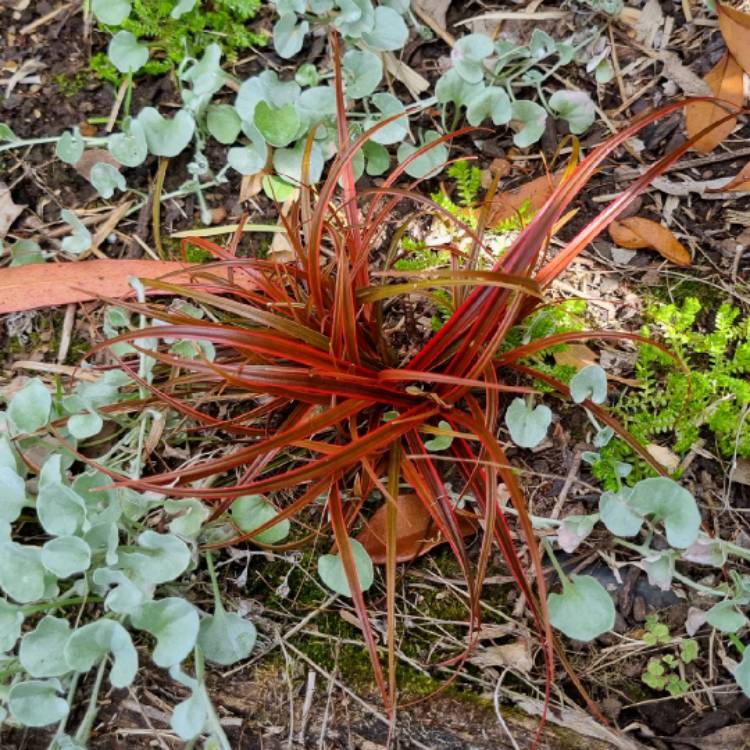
<point>306,706</point>
<point>446,36</point>
<point>67,331</point>
<point>156,206</point>
<point>575,465</point>
<point>60,369</point>
<point>117,104</point>
<point>34,25</point>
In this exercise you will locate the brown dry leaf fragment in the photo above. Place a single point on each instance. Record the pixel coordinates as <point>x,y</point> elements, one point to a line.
<point>515,655</point>
<point>741,472</point>
<point>94,156</point>
<point>667,458</point>
<point>576,355</point>
<point>9,211</point>
<point>740,183</point>
<point>725,81</point>
<point>735,28</point>
<point>636,232</point>
<point>415,532</point>
<point>536,192</point>
<point>46,284</point>
<point>415,82</point>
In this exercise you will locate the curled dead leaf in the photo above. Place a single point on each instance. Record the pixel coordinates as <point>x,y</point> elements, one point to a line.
<point>740,183</point>
<point>536,192</point>
<point>637,232</point>
<point>515,655</point>
<point>415,532</point>
<point>9,211</point>
<point>667,458</point>
<point>576,355</point>
<point>735,28</point>
<point>725,80</point>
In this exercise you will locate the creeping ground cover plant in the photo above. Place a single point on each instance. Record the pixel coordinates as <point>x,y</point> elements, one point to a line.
<point>328,421</point>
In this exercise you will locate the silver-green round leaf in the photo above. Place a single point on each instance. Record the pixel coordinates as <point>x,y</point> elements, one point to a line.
<point>66,556</point>
<point>125,53</point>
<point>41,650</point>
<point>250,512</point>
<point>584,610</point>
<point>226,638</point>
<point>527,426</point>
<point>37,703</point>
<point>332,573</point>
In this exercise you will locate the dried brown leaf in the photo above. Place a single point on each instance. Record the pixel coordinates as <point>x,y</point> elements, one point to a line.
<point>740,183</point>
<point>576,355</point>
<point>725,81</point>
<point>735,28</point>
<point>415,532</point>
<point>510,202</point>
<point>47,284</point>
<point>636,232</point>
<point>9,211</point>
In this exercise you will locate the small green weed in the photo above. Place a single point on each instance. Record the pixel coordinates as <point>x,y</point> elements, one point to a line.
<point>714,401</point>
<point>224,22</point>
<point>418,255</point>
<point>664,672</point>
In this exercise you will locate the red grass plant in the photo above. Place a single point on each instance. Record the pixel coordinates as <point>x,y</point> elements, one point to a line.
<point>306,337</point>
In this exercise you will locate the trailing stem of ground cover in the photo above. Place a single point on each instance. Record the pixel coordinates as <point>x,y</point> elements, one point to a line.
<point>308,334</point>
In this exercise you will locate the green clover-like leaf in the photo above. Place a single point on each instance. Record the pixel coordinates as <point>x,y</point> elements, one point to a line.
<point>362,72</point>
<point>527,426</point>
<point>490,103</point>
<point>111,12</point>
<point>226,638</point>
<point>467,56</point>
<point>668,502</point>
<point>69,148</point>
<point>37,703</point>
<point>66,556</point>
<point>389,30</point>
<point>11,620</point>
<point>277,125</point>
<point>532,119</point>
<point>288,163</point>
<point>742,673</point>
<point>129,147</point>
<point>618,515</point>
<point>589,382</point>
<point>288,35</point>
<point>394,131</point>
<point>166,137</point>
<point>125,53</point>
<point>158,558</point>
<point>584,610</point>
<point>80,239</point>
<point>332,573</point>
<point>440,442</point>
<point>174,623</point>
<point>12,494</point>
<point>223,122</point>
<point>90,643</point>
<point>725,617</point>
<point>29,409</point>
<point>574,529</point>
<point>575,107</point>
<point>106,178</point>
<point>22,575</point>
<point>41,650</point>
<point>251,511</point>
